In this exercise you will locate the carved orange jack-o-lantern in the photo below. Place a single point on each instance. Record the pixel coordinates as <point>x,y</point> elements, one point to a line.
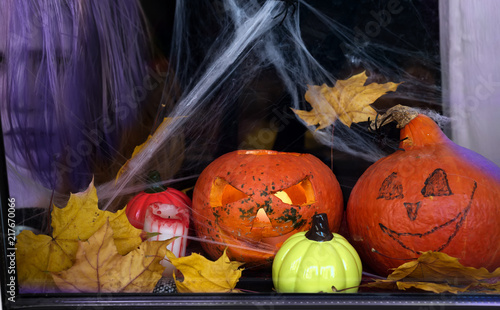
<point>252,201</point>
<point>432,195</point>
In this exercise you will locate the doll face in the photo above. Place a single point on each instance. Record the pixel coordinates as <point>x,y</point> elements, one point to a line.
<point>68,93</point>
<point>3,45</point>
<point>436,190</point>
<point>28,76</point>
<point>13,42</point>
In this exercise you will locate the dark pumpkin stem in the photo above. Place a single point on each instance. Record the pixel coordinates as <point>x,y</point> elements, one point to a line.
<point>319,229</point>
<point>154,181</point>
<point>401,114</point>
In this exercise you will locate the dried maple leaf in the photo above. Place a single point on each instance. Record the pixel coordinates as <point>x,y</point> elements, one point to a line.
<point>349,101</point>
<point>99,268</point>
<point>205,276</point>
<point>487,287</point>
<point>438,272</point>
<point>37,255</point>
<point>432,287</point>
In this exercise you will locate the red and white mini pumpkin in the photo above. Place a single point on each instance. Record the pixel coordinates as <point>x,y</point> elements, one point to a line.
<point>162,210</point>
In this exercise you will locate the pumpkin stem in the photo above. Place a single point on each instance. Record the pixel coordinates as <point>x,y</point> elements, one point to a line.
<point>319,229</point>
<point>401,114</point>
<point>153,181</point>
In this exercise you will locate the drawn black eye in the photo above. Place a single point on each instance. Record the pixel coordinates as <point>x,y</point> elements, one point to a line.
<point>391,188</point>
<point>437,184</point>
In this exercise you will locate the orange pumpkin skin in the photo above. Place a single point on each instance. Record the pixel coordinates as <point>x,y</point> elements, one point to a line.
<point>238,202</point>
<point>433,196</point>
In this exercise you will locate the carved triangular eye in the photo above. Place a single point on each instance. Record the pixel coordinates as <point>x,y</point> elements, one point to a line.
<point>223,193</point>
<point>301,193</point>
<point>437,184</point>
<point>391,188</point>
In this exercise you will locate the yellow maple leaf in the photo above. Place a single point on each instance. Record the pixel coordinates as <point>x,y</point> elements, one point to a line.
<point>205,276</point>
<point>35,255</point>
<point>38,255</point>
<point>99,268</point>
<point>438,272</point>
<point>164,124</point>
<point>349,101</point>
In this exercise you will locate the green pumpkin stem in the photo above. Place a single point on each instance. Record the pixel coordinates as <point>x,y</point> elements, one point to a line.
<point>319,229</point>
<point>154,181</point>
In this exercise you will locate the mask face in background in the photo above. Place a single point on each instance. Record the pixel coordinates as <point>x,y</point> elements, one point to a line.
<point>3,44</point>
<point>3,47</point>
<point>25,119</point>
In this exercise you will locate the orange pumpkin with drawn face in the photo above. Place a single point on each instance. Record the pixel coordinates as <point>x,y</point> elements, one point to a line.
<point>432,195</point>
<point>252,201</point>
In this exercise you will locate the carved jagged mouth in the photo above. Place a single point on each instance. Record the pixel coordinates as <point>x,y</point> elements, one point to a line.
<point>455,222</point>
<point>266,246</point>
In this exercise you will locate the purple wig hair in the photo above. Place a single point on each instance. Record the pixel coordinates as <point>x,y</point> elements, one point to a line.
<point>72,70</point>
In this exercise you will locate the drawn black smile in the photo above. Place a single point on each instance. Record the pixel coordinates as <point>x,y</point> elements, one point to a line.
<point>455,222</point>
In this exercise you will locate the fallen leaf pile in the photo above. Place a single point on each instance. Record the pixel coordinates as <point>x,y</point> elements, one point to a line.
<point>41,256</point>
<point>205,276</point>
<point>349,101</point>
<point>439,273</point>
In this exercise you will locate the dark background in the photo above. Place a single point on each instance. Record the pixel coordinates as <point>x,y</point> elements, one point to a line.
<point>405,47</point>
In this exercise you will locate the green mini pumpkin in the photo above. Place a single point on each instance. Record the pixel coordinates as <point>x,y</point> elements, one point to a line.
<point>316,261</point>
